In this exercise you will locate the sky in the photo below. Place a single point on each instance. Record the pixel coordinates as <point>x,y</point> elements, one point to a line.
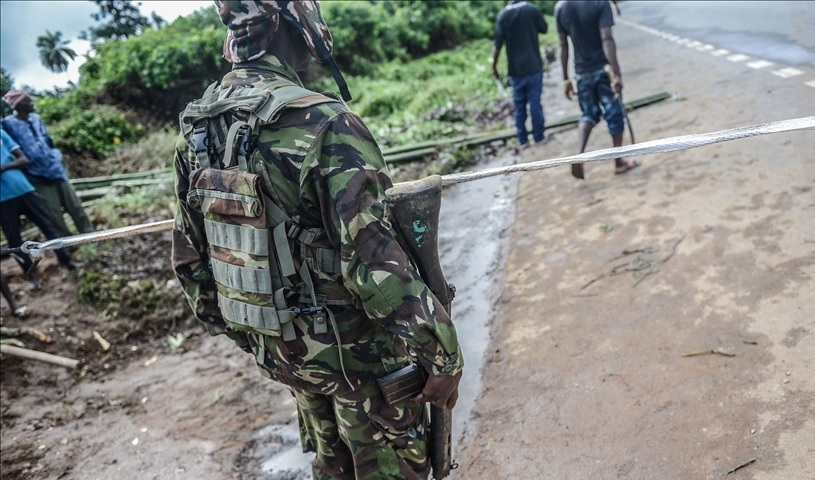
<point>22,21</point>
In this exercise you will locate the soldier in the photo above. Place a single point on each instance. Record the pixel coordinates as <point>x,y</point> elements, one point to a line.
<point>281,242</point>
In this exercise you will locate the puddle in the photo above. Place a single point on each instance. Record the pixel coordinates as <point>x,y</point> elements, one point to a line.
<point>288,462</point>
<point>475,223</point>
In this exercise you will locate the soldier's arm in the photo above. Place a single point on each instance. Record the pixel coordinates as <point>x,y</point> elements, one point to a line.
<point>190,256</point>
<point>374,266</point>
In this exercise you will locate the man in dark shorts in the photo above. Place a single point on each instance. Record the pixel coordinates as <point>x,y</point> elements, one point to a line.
<point>588,23</point>
<point>518,25</point>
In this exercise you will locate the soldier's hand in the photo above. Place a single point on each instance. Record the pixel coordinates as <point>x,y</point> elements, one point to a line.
<point>440,390</point>
<point>568,89</point>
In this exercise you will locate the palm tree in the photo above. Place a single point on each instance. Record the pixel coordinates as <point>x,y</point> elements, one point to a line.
<point>54,50</point>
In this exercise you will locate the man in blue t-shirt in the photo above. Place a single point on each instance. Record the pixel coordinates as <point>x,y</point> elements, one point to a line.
<point>588,23</point>
<point>18,197</point>
<point>45,170</point>
<point>518,25</point>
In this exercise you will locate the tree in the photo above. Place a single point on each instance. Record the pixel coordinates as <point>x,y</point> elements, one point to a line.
<point>54,52</point>
<point>125,20</point>
<point>6,84</point>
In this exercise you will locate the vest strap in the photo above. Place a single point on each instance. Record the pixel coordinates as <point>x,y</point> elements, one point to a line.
<point>283,250</point>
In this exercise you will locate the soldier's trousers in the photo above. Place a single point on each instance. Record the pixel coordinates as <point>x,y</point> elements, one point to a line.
<point>357,436</point>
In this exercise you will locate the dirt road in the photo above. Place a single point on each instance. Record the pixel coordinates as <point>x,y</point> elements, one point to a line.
<point>588,375</point>
<point>584,372</point>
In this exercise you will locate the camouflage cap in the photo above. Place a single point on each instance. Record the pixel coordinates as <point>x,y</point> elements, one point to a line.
<point>253,24</point>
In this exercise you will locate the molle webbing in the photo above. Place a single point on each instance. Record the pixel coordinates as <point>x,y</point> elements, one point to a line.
<point>245,279</point>
<point>265,320</point>
<point>243,238</point>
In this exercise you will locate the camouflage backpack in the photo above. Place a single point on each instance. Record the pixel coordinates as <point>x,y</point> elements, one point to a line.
<point>252,241</point>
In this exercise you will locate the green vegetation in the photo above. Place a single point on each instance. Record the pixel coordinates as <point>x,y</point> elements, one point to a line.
<point>131,278</point>
<point>417,63</point>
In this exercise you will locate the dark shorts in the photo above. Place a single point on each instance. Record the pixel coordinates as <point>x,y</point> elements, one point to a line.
<point>596,98</point>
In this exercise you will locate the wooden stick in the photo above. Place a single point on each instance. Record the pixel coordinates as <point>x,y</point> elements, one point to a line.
<point>31,332</point>
<point>39,356</point>
<point>708,352</point>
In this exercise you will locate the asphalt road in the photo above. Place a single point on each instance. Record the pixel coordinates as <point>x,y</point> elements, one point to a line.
<point>779,31</point>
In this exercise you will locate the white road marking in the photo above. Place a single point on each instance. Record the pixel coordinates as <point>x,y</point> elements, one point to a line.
<point>721,52</point>
<point>787,72</point>
<point>760,64</point>
<point>738,57</point>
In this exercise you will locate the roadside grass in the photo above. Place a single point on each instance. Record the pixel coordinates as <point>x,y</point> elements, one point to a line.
<point>445,94</point>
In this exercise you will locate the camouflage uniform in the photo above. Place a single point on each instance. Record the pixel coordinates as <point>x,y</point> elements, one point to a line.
<point>327,172</point>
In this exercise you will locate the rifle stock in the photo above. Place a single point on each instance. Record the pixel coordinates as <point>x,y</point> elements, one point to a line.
<point>414,208</point>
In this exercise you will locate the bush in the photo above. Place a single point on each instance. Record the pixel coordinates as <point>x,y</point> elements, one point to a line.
<point>161,70</point>
<point>99,130</point>
<point>367,34</point>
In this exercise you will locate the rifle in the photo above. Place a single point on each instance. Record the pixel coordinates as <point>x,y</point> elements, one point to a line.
<point>414,208</point>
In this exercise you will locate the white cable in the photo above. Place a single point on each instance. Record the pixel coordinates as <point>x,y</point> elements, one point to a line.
<point>35,248</point>
<point>671,144</point>
<point>655,146</point>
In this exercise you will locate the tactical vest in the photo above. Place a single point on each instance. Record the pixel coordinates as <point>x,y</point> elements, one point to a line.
<point>252,241</point>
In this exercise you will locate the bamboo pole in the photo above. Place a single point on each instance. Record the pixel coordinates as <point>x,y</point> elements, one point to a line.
<point>105,181</point>
<point>39,356</point>
<point>423,149</point>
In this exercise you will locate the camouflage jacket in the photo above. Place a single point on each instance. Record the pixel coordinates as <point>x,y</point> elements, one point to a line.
<point>328,172</point>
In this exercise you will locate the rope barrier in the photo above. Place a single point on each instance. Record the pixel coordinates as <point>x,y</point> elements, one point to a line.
<point>35,249</point>
<point>664,145</point>
<point>671,144</point>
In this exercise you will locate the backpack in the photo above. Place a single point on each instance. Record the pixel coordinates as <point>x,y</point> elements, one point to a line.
<point>253,244</point>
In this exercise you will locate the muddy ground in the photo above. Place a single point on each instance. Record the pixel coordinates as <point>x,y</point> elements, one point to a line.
<point>574,371</point>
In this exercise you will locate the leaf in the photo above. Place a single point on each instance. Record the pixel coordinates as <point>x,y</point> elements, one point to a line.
<point>176,341</point>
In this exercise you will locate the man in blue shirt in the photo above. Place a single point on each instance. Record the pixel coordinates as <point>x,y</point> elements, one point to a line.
<point>18,197</point>
<point>588,23</point>
<point>45,170</point>
<point>518,25</point>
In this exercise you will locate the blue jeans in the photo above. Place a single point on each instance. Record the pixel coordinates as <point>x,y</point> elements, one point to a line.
<point>596,97</point>
<point>527,90</point>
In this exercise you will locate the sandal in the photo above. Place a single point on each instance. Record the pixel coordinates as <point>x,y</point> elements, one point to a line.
<point>630,165</point>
